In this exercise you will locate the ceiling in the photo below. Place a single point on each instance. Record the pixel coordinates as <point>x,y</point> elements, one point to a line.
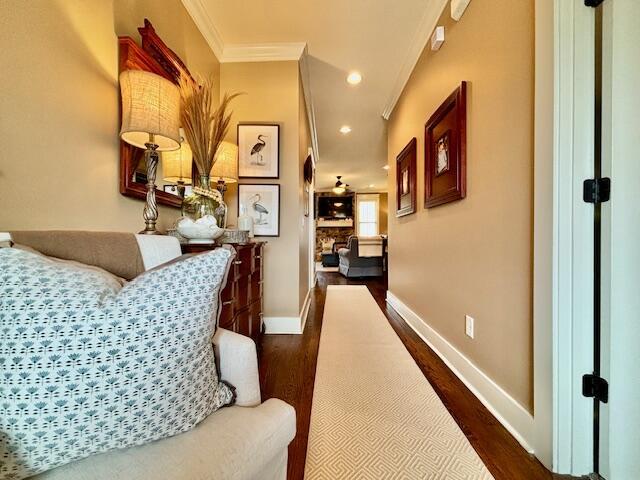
<point>381,39</point>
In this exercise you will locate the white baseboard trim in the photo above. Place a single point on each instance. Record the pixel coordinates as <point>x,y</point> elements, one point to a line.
<point>513,416</point>
<point>305,310</point>
<point>289,325</point>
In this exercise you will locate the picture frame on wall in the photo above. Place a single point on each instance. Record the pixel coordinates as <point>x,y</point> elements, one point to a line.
<point>258,150</point>
<point>262,202</point>
<point>406,183</point>
<point>445,149</point>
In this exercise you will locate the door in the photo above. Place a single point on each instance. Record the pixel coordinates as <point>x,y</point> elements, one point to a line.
<point>618,455</point>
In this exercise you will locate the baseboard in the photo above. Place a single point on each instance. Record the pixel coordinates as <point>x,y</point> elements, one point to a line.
<point>513,416</point>
<point>305,310</point>
<point>288,325</point>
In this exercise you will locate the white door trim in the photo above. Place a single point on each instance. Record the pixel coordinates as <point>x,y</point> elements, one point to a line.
<point>572,316</point>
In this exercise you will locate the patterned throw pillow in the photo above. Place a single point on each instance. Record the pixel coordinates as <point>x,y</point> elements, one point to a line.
<point>87,366</point>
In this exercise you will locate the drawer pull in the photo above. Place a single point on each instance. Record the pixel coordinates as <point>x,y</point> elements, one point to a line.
<point>237,262</point>
<point>228,302</point>
<point>260,282</point>
<point>258,256</point>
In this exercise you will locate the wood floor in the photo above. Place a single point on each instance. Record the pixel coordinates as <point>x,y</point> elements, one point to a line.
<point>288,366</point>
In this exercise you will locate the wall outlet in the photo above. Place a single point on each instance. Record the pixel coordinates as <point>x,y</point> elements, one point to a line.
<point>468,325</point>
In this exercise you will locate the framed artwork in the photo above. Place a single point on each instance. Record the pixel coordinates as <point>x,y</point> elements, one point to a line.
<point>406,184</point>
<point>262,202</point>
<point>307,173</point>
<point>258,151</point>
<point>445,148</point>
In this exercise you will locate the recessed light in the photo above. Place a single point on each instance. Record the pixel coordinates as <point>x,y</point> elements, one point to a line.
<point>345,129</point>
<point>371,185</point>
<point>386,167</point>
<point>354,78</point>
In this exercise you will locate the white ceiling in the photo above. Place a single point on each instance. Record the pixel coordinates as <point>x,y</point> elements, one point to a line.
<point>380,38</point>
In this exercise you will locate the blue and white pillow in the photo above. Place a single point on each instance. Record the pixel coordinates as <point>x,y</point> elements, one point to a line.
<point>87,366</point>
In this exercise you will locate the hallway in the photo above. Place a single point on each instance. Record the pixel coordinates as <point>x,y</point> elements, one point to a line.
<point>288,366</point>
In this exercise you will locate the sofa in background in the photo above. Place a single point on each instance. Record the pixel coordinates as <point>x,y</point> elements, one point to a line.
<point>353,263</point>
<point>247,441</point>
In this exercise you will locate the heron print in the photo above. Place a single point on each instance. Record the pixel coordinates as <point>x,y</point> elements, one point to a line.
<point>259,209</point>
<point>262,203</point>
<point>258,151</point>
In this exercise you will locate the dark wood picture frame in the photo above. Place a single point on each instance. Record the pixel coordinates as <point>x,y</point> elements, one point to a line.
<point>240,185</point>
<point>258,124</point>
<point>447,128</point>
<point>154,56</point>
<point>406,161</point>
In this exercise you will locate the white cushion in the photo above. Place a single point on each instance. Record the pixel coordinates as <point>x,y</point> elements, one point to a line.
<point>157,249</point>
<point>88,366</point>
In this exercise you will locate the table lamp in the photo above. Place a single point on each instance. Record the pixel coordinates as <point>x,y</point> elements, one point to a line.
<point>150,120</point>
<point>177,166</point>
<point>225,168</point>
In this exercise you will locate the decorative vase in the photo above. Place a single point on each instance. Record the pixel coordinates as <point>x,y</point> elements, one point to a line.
<point>245,221</point>
<point>205,201</point>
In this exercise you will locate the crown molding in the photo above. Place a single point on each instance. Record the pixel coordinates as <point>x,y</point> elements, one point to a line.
<point>205,24</point>
<point>427,24</point>
<point>308,99</point>
<point>250,52</point>
<point>263,52</point>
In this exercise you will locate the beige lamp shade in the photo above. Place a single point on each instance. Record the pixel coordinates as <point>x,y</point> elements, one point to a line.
<point>226,165</point>
<point>150,106</point>
<point>177,164</point>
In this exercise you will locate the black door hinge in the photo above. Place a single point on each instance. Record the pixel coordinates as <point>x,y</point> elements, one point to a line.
<point>592,3</point>
<point>596,387</point>
<point>596,190</point>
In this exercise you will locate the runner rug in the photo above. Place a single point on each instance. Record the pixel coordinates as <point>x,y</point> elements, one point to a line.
<point>374,414</point>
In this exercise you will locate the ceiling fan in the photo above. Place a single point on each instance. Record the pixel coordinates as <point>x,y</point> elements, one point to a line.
<point>340,186</point>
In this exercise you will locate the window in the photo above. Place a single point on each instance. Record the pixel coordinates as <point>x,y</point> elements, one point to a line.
<point>368,208</point>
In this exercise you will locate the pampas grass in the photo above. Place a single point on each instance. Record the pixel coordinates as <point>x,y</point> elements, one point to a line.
<point>204,124</point>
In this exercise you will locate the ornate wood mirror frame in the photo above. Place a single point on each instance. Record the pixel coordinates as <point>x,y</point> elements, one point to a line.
<point>154,56</point>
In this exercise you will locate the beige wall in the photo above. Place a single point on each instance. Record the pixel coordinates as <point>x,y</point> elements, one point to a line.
<point>273,96</point>
<point>59,103</point>
<point>474,256</point>
<point>305,221</point>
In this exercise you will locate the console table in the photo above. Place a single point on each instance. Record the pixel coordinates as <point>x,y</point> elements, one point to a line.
<point>242,296</point>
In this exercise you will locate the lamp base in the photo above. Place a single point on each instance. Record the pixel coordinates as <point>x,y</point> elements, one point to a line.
<point>150,212</point>
<point>221,187</point>
<point>149,232</point>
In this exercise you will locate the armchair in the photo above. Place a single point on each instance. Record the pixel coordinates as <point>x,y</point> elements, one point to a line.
<point>352,264</point>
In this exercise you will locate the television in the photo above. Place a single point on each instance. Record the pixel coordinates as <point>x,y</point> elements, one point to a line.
<point>335,207</point>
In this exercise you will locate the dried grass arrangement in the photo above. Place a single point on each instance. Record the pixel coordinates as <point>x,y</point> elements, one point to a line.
<point>204,124</point>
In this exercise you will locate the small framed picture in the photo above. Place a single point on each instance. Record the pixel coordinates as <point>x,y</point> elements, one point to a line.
<point>262,202</point>
<point>445,151</point>
<point>406,183</point>
<point>258,151</point>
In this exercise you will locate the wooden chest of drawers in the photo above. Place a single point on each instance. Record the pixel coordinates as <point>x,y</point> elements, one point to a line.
<point>242,296</point>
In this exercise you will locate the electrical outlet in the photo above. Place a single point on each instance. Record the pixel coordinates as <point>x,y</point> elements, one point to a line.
<point>468,325</point>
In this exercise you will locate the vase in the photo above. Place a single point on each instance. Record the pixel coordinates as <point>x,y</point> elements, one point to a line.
<point>205,201</point>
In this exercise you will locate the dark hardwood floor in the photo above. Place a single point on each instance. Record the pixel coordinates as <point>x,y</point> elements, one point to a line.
<point>288,367</point>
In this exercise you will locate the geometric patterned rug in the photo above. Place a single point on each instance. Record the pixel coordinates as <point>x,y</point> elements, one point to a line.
<point>374,414</point>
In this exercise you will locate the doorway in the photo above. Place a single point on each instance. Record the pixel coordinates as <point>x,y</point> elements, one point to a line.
<point>596,258</point>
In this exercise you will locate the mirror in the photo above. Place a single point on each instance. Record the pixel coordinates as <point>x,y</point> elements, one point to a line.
<point>154,56</point>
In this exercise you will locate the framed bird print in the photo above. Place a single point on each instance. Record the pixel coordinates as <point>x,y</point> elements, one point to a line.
<point>258,150</point>
<point>406,184</point>
<point>445,151</point>
<point>262,202</point>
